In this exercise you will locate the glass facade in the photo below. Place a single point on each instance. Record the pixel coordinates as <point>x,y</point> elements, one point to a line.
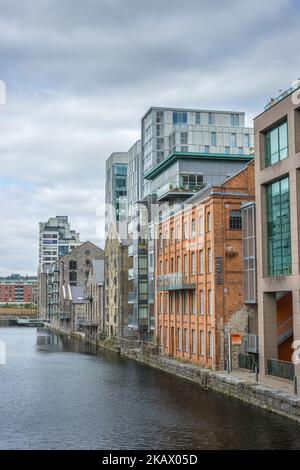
<point>180,118</point>
<point>279,228</point>
<point>120,190</point>
<point>249,253</point>
<point>276,144</point>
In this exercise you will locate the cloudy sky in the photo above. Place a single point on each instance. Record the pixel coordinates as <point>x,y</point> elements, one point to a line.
<point>80,74</point>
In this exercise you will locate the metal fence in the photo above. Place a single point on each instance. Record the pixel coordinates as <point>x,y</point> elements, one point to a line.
<point>283,369</point>
<point>247,361</point>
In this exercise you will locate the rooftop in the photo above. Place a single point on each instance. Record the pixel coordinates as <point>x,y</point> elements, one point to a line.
<point>193,110</point>
<point>283,95</point>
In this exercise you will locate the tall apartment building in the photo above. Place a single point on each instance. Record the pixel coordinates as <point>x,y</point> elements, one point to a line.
<point>199,273</point>
<point>17,289</point>
<point>116,191</point>
<point>55,240</point>
<point>277,144</point>
<point>165,131</point>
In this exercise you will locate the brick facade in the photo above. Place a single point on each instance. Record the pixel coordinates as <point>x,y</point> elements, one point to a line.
<point>199,277</point>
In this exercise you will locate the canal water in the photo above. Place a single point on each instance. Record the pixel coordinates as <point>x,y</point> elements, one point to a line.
<point>56,394</point>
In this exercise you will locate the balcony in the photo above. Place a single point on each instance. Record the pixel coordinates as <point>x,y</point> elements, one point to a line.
<point>136,324</point>
<point>131,298</point>
<point>130,274</point>
<point>171,190</point>
<point>130,250</point>
<point>175,281</point>
<point>64,316</point>
<point>87,323</point>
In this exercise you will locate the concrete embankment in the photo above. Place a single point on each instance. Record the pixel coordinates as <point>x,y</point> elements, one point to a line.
<point>256,393</point>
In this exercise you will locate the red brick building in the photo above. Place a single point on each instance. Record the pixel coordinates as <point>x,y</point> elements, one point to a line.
<point>199,274</point>
<point>16,289</point>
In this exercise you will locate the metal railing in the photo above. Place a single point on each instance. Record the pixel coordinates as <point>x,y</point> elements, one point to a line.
<point>285,329</point>
<point>131,297</point>
<point>130,273</point>
<point>130,250</point>
<point>174,281</point>
<point>283,369</point>
<point>282,96</point>
<point>179,188</point>
<point>247,361</point>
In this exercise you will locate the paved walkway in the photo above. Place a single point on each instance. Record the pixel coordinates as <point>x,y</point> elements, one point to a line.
<point>282,385</point>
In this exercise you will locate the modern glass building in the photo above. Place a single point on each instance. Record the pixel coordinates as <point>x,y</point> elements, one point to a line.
<point>116,189</point>
<point>277,176</point>
<point>279,228</point>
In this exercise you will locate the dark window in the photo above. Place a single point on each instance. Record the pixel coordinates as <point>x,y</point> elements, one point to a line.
<point>180,118</point>
<point>87,262</point>
<point>276,144</point>
<point>235,220</point>
<point>73,264</point>
<point>279,228</point>
<point>72,276</point>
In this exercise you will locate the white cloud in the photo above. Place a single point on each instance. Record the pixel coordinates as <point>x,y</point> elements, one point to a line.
<point>80,75</point>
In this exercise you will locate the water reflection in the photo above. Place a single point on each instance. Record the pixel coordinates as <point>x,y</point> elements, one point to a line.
<point>56,393</point>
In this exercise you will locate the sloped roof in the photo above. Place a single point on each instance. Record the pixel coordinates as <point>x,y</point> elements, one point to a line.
<point>77,294</point>
<point>98,268</point>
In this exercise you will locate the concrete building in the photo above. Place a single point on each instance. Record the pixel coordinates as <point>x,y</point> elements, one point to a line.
<point>71,270</point>
<point>116,191</point>
<point>94,299</point>
<point>55,240</point>
<point>17,289</point>
<point>118,286</point>
<point>165,131</point>
<point>199,274</point>
<point>277,144</point>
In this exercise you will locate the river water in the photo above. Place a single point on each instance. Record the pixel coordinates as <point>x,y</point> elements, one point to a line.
<point>56,394</point>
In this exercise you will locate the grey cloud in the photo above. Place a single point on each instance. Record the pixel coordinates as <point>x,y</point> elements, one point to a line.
<point>80,75</point>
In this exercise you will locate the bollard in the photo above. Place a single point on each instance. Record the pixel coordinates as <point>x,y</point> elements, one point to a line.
<point>295,385</point>
<point>256,373</point>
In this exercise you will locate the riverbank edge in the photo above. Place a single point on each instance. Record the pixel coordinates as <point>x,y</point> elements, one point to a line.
<point>255,394</point>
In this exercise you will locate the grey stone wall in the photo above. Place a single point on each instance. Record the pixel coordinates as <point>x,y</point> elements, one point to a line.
<point>253,393</point>
<point>242,321</point>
